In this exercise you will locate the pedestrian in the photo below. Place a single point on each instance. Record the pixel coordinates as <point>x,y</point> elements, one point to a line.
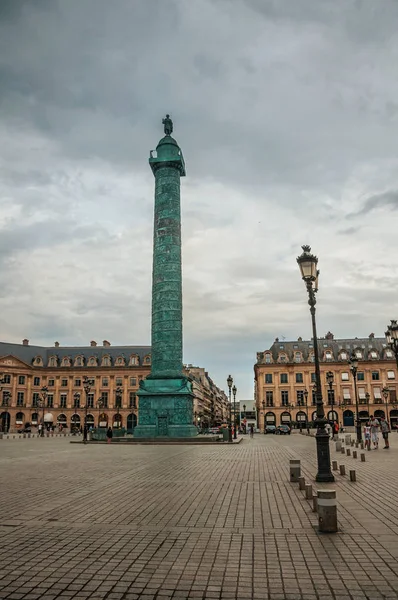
<point>335,429</point>
<point>374,430</point>
<point>251,431</point>
<point>366,435</point>
<point>40,428</point>
<point>385,430</point>
<point>109,435</point>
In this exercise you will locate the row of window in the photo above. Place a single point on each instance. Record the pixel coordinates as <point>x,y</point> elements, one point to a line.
<point>300,397</point>
<point>65,381</point>
<point>63,399</point>
<point>92,361</point>
<point>268,378</point>
<point>327,356</point>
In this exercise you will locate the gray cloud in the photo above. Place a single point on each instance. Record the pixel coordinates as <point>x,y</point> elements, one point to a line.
<point>287,116</point>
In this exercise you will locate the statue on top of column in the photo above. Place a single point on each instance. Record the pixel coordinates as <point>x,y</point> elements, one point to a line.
<point>168,125</point>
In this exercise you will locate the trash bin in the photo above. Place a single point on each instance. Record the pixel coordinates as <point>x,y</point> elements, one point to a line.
<point>225,434</point>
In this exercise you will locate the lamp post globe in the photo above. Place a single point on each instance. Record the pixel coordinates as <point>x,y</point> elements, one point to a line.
<point>308,264</point>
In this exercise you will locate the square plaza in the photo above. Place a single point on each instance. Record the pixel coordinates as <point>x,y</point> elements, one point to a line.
<point>121,522</point>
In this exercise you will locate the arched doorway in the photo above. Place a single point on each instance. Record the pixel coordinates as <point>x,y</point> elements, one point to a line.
<point>363,416</point>
<point>75,422</point>
<point>348,418</point>
<point>117,421</point>
<point>48,420</point>
<point>270,418</point>
<point>131,422</point>
<point>19,419</point>
<point>301,417</point>
<point>379,413</point>
<point>62,419</point>
<point>103,420</point>
<point>5,420</point>
<point>333,416</point>
<point>394,419</point>
<point>90,420</point>
<point>285,418</point>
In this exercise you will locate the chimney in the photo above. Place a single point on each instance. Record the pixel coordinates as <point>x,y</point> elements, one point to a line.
<point>329,336</point>
<point>25,342</point>
<point>371,336</point>
<point>300,339</point>
<point>56,344</point>
<point>92,343</point>
<point>106,344</point>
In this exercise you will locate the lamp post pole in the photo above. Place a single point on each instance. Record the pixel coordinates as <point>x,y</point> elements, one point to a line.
<point>87,383</point>
<point>118,392</point>
<point>385,391</point>
<point>354,369</point>
<point>234,390</point>
<point>330,380</point>
<point>367,398</point>
<point>44,394</point>
<point>229,383</point>
<point>76,397</point>
<point>306,410</point>
<point>308,264</point>
<point>100,404</point>
<point>244,417</point>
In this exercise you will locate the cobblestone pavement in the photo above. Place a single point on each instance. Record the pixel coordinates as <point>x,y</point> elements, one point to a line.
<point>125,522</point>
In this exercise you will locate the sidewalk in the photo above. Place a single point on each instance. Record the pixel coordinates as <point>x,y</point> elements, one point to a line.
<point>127,522</point>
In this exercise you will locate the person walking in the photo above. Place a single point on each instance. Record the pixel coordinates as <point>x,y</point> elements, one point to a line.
<point>251,431</point>
<point>366,435</point>
<point>335,429</point>
<point>374,430</point>
<point>109,435</point>
<point>385,430</point>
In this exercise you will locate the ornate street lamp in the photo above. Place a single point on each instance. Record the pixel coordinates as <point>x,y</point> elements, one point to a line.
<point>229,383</point>
<point>385,391</point>
<point>306,410</point>
<point>308,264</point>
<point>118,393</point>
<point>354,369</point>
<point>100,404</point>
<point>234,390</point>
<point>392,338</point>
<point>87,383</point>
<point>43,400</point>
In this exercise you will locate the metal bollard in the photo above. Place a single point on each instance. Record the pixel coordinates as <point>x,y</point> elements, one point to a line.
<point>369,448</point>
<point>354,454</point>
<point>301,483</point>
<point>342,469</point>
<point>338,446</point>
<point>327,511</point>
<point>356,444</point>
<point>353,475</point>
<point>308,491</point>
<point>295,470</point>
<point>352,442</point>
<point>362,446</point>
<point>348,452</point>
<point>314,503</point>
<point>334,465</point>
<point>362,457</point>
<point>348,439</point>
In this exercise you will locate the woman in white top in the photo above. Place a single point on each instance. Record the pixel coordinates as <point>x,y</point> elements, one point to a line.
<point>366,433</point>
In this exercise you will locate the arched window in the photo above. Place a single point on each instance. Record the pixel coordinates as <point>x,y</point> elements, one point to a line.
<point>134,360</point>
<point>92,361</point>
<point>65,361</point>
<point>78,361</point>
<point>38,361</point>
<point>53,361</point>
<point>328,355</point>
<point>358,353</point>
<point>120,361</point>
<point>373,354</point>
<point>343,355</point>
<point>282,358</point>
<point>297,357</point>
<point>106,361</point>
<point>19,417</point>
<point>268,358</point>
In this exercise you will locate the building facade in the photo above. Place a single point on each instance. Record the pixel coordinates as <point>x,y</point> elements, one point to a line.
<point>114,372</point>
<point>285,378</point>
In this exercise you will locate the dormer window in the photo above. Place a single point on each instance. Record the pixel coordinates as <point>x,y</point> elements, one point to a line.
<point>388,354</point>
<point>328,355</point>
<point>297,357</point>
<point>133,360</point>
<point>147,360</point>
<point>120,361</point>
<point>373,354</point>
<point>65,361</point>
<point>268,358</point>
<point>78,361</point>
<point>343,355</point>
<point>358,354</point>
<point>38,361</point>
<point>92,361</point>
<point>311,357</point>
<point>282,358</point>
<point>53,361</point>
<point>106,361</point>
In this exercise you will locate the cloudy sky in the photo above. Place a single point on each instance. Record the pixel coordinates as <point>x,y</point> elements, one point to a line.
<point>287,114</point>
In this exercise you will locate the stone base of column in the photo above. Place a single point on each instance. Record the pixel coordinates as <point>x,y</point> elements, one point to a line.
<point>165,409</point>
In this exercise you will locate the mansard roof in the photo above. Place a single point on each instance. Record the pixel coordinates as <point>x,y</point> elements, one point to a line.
<point>335,346</point>
<point>28,353</point>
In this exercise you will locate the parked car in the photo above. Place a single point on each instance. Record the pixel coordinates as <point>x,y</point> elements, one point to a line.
<point>283,430</point>
<point>270,429</point>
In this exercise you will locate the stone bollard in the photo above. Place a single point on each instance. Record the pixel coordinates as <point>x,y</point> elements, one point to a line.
<point>348,452</point>
<point>308,491</point>
<point>295,470</point>
<point>301,483</point>
<point>356,444</point>
<point>352,443</point>
<point>342,469</point>
<point>353,475</point>
<point>334,465</point>
<point>362,446</point>
<point>354,454</point>
<point>338,446</point>
<point>369,448</point>
<point>327,511</point>
<point>342,450</point>
<point>314,503</point>
<point>362,457</point>
<point>348,439</point>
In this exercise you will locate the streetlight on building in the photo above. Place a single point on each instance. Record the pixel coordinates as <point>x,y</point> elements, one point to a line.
<point>87,383</point>
<point>118,393</point>
<point>308,264</point>
<point>43,400</point>
<point>229,383</point>
<point>354,369</point>
<point>330,380</point>
<point>234,390</point>
<point>385,391</point>
<point>392,338</point>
